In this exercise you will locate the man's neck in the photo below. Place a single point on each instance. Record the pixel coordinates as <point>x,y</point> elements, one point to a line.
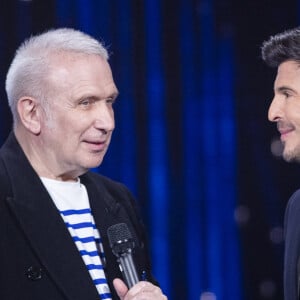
<point>38,158</point>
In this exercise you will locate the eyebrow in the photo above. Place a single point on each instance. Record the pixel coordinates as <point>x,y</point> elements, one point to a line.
<point>282,89</point>
<point>113,95</point>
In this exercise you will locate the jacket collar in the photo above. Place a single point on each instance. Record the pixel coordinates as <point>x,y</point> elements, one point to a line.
<point>43,226</point>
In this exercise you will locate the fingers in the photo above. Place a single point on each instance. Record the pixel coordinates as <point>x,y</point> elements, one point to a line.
<point>120,288</point>
<point>144,290</point>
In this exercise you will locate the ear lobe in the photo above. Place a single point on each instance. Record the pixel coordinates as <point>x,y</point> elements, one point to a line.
<point>29,114</point>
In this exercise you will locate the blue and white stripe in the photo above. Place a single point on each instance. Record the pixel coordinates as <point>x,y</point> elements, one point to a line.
<point>71,199</point>
<point>81,226</point>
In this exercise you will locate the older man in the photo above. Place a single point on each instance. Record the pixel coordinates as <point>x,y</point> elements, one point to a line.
<point>54,212</point>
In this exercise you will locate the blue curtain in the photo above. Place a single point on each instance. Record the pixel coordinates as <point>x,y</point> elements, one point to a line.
<point>186,165</point>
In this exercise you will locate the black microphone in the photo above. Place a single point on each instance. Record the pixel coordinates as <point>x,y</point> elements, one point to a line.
<point>122,245</point>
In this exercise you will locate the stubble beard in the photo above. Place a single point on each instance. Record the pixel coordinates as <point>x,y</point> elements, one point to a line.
<point>292,155</point>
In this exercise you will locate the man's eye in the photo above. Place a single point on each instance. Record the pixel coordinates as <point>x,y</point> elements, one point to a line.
<point>110,100</point>
<point>86,102</point>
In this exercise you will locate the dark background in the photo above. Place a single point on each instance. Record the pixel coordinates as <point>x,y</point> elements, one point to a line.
<point>193,141</point>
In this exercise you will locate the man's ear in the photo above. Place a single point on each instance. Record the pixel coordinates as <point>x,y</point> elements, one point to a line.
<point>30,114</point>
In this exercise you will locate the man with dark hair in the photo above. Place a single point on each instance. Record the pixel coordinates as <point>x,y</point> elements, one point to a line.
<point>282,51</point>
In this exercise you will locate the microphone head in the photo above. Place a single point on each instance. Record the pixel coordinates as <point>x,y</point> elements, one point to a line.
<point>120,239</point>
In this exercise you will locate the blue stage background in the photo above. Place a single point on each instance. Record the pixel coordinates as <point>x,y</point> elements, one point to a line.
<point>192,140</point>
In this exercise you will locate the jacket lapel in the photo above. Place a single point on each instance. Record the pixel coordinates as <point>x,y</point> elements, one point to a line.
<point>106,212</point>
<point>44,228</point>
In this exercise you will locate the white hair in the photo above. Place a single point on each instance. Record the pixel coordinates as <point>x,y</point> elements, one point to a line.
<point>29,68</point>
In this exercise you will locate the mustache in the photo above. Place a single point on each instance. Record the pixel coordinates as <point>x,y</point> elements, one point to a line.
<point>281,125</point>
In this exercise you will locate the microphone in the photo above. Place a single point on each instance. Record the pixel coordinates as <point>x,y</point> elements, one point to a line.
<point>122,245</point>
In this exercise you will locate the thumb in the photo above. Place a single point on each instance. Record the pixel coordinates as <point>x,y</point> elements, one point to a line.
<point>120,288</point>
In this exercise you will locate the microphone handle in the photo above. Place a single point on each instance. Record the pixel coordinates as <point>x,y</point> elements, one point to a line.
<point>128,269</point>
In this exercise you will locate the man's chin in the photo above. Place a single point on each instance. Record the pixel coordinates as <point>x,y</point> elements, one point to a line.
<point>94,164</point>
<point>291,156</point>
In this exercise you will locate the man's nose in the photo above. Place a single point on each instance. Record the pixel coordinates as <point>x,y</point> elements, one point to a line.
<point>105,119</point>
<point>275,110</point>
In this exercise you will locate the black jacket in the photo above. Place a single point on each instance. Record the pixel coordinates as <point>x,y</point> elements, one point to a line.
<point>292,248</point>
<point>38,258</point>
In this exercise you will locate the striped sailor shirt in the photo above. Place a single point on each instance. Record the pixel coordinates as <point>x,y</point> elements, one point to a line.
<point>71,199</point>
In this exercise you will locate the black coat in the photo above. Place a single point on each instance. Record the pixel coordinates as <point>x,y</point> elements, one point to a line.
<point>292,248</point>
<point>38,258</point>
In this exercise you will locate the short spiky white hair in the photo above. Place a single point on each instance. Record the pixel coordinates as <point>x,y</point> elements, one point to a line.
<point>29,68</point>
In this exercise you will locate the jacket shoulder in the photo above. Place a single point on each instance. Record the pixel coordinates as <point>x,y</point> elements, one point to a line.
<point>293,205</point>
<point>5,185</point>
<point>116,189</point>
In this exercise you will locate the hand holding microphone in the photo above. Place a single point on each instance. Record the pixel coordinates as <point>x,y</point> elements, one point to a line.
<point>122,244</point>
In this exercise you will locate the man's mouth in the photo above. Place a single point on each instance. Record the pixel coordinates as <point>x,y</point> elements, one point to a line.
<point>96,145</point>
<point>284,130</point>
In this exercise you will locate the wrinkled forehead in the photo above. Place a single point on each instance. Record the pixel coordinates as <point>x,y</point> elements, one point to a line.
<point>72,75</point>
<point>64,66</point>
